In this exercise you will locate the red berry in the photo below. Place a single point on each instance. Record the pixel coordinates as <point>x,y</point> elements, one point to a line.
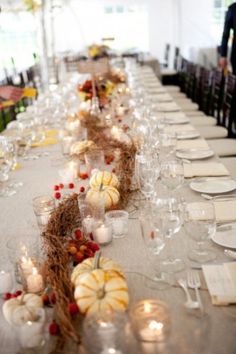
<point>46,300</point>
<point>73,308</point>
<point>54,329</point>
<point>13,296</point>
<point>57,195</point>
<point>79,235</point>
<point>93,246</point>
<point>71,185</point>
<point>18,292</point>
<point>88,253</point>
<point>56,187</point>
<point>61,185</point>
<point>79,257</point>
<point>82,189</point>
<point>53,298</point>
<point>108,162</point>
<point>84,175</point>
<point>7,296</point>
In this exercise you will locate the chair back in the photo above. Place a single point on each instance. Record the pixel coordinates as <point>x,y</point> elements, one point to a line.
<point>229,104</point>
<point>217,95</point>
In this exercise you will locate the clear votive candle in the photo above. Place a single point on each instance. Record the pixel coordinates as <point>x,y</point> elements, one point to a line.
<point>6,280</point>
<point>34,282</point>
<point>43,207</point>
<point>119,220</point>
<point>94,159</point>
<point>66,143</point>
<point>150,320</point>
<point>31,333</point>
<point>102,232</point>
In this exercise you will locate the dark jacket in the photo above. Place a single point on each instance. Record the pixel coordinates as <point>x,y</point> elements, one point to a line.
<point>230,23</point>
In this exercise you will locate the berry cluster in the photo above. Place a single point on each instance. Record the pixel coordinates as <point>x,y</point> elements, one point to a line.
<point>109,159</point>
<point>81,248</point>
<point>8,296</point>
<point>58,187</point>
<point>54,328</point>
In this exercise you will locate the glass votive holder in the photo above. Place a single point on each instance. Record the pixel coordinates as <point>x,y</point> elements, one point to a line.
<point>150,320</point>
<point>107,330</point>
<point>102,232</point>
<point>73,166</point>
<point>6,279</point>
<point>94,159</point>
<point>43,206</point>
<point>31,333</point>
<point>119,220</point>
<point>66,143</point>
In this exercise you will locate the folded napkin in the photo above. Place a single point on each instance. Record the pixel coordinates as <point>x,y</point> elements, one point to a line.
<point>168,107</point>
<point>204,169</point>
<point>165,97</point>
<point>179,128</point>
<point>221,283</point>
<point>192,144</point>
<point>225,210</point>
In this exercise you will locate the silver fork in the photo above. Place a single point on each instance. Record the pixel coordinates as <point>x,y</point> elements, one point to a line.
<point>195,283</point>
<point>189,303</point>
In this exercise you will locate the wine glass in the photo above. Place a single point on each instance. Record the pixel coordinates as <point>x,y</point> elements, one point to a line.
<point>167,216</point>
<point>155,244</point>
<point>200,225</point>
<point>172,174</point>
<point>7,161</point>
<point>168,142</point>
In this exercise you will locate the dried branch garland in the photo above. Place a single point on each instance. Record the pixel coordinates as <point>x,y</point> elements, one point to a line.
<point>66,217</point>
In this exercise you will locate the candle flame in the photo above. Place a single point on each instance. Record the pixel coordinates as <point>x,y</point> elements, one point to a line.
<point>34,271</point>
<point>154,325</point>
<point>147,307</point>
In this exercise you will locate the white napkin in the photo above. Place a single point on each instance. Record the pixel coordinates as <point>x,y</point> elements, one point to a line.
<point>165,97</point>
<point>173,115</point>
<point>225,210</point>
<point>204,169</point>
<point>221,283</point>
<point>167,107</point>
<point>192,144</point>
<point>179,128</point>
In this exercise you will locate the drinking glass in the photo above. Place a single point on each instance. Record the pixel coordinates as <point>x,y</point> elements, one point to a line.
<point>167,216</point>
<point>94,160</point>
<point>167,144</point>
<point>172,174</point>
<point>154,242</point>
<point>200,225</point>
<point>43,207</point>
<point>7,161</point>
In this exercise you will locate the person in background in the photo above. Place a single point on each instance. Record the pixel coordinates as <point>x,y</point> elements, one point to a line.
<point>11,93</point>
<point>230,23</point>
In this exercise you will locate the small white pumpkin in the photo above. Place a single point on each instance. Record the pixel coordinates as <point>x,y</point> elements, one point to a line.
<point>105,178</point>
<point>21,309</point>
<point>109,194</point>
<point>88,265</point>
<point>102,290</point>
<point>81,147</point>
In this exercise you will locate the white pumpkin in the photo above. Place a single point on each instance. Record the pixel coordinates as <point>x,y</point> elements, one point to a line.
<point>102,290</point>
<point>80,147</point>
<point>109,194</point>
<point>104,178</point>
<point>21,309</point>
<point>88,265</point>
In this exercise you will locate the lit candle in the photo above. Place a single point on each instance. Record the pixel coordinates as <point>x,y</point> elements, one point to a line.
<point>34,281</point>
<point>26,266</point>
<point>88,223</point>
<point>31,334</point>
<point>6,282</point>
<point>73,166</point>
<point>103,234</point>
<point>120,111</point>
<point>153,332</point>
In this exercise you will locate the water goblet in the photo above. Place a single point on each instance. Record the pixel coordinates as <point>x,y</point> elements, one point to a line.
<point>172,174</point>
<point>167,216</point>
<point>200,225</point>
<point>154,241</point>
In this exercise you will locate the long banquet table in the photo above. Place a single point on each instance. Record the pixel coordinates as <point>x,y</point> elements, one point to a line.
<point>214,333</point>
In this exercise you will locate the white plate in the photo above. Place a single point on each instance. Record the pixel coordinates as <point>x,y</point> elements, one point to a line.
<point>225,235</point>
<point>213,185</point>
<point>184,135</point>
<point>177,120</point>
<point>194,154</point>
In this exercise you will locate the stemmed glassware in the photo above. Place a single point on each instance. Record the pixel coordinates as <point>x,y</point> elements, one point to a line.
<point>172,174</point>
<point>167,216</point>
<point>7,162</point>
<point>154,242</point>
<point>200,225</point>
